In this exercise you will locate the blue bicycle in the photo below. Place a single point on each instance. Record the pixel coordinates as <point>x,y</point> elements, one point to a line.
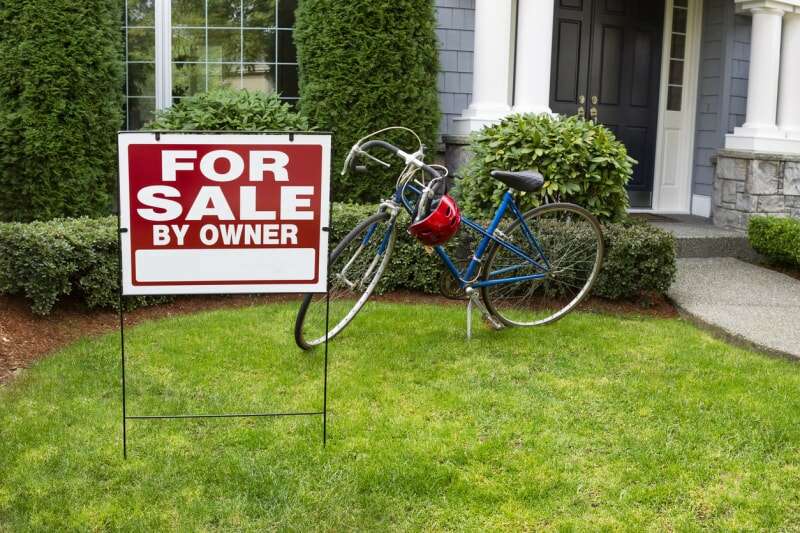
<point>532,271</point>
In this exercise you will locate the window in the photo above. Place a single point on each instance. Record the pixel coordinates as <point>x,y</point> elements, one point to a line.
<point>677,54</point>
<point>208,44</point>
<point>140,78</point>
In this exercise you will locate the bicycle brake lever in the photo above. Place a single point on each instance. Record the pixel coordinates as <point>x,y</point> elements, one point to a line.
<point>348,160</point>
<point>384,163</point>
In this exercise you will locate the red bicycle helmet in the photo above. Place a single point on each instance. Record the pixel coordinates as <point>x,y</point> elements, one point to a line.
<point>441,224</point>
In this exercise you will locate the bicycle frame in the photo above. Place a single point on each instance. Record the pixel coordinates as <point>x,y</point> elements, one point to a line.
<point>467,278</point>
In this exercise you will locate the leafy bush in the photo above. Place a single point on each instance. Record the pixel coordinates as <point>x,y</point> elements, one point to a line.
<point>582,162</point>
<point>230,110</point>
<point>640,259</point>
<point>366,65</point>
<point>60,107</point>
<point>776,238</point>
<point>45,261</point>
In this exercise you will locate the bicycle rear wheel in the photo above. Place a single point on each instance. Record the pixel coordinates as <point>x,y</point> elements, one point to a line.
<point>354,269</point>
<point>570,242</point>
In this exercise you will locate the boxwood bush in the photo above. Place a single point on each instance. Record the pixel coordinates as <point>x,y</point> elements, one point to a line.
<point>366,65</point>
<point>640,259</point>
<point>60,107</point>
<point>582,162</point>
<point>776,238</point>
<point>230,110</point>
<point>45,261</point>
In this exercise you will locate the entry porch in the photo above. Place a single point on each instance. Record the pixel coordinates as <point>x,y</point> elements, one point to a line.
<point>686,84</point>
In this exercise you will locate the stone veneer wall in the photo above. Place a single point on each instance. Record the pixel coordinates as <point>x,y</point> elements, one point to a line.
<point>751,183</point>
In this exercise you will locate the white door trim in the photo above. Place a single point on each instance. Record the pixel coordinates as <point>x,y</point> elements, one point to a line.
<point>672,180</point>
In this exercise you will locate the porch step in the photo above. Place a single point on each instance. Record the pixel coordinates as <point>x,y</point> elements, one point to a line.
<point>698,237</point>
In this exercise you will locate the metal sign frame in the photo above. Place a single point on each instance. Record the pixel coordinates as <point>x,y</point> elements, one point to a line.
<point>323,413</point>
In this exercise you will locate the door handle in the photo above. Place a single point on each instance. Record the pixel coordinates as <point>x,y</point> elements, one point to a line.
<point>581,109</point>
<point>593,110</point>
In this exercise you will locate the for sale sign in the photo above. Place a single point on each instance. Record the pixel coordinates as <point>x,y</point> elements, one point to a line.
<point>223,213</point>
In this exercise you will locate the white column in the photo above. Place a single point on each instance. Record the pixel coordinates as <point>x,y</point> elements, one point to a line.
<point>789,100</point>
<point>760,131</point>
<point>765,58</point>
<point>492,64</point>
<point>534,53</point>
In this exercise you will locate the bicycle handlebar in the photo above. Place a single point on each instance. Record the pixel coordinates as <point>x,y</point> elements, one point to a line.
<point>400,153</point>
<point>383,144</point>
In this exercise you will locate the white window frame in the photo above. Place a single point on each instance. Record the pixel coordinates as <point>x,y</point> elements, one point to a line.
<point>163,53</point>
<point>163,31</point>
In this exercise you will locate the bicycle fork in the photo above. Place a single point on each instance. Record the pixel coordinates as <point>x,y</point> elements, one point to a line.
<point>342,275</point>
<point>366,276</point>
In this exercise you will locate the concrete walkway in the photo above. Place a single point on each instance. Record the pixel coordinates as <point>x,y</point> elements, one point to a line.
<point>749,302</point>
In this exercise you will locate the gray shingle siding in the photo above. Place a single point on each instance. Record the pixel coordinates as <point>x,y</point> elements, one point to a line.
<point>740,64</point>
<point>456,32</point>
<point>722,96</point>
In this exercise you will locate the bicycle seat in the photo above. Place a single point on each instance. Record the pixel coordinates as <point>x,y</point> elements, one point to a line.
<point>526,180</point>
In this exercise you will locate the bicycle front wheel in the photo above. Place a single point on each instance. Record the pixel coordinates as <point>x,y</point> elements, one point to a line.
<point>568,242</point>
<point>354,269</point>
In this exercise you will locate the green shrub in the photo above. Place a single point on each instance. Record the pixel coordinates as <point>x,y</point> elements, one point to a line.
<point>776,238</point>
<point>366,65</point>
<point>45,261</point>
<point>582,162</point>
<point>640,259</point>
<point>230,110</point>
<point>60,107</point>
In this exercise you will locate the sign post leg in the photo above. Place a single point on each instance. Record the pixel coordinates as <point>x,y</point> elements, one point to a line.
<point>120,231</point>
<point>124,399</point>
<point>325,378</point>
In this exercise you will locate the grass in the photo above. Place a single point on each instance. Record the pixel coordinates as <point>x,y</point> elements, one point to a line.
<point>593,423</point>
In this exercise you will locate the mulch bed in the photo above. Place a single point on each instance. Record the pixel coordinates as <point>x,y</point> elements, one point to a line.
<point>25,337</point>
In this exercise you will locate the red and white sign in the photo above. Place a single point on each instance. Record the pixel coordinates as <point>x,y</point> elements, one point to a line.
<point>223,213</point>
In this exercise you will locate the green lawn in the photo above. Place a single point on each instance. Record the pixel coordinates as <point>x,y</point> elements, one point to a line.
<point>596,422</point>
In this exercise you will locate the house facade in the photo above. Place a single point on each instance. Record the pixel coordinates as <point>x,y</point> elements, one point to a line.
<point>704,93</point>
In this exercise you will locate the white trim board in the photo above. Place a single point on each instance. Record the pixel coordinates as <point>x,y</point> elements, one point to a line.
<point>672,182</point>
<point>701,205</point>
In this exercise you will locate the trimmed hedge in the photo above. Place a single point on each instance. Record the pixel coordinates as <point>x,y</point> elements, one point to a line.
<point>776,238</point>
<point>45,261</point>
<point>640,259</point>
<point>230,110</point>
<point>366,65</point>
<point>582,162</point>
<point>60,107</point>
